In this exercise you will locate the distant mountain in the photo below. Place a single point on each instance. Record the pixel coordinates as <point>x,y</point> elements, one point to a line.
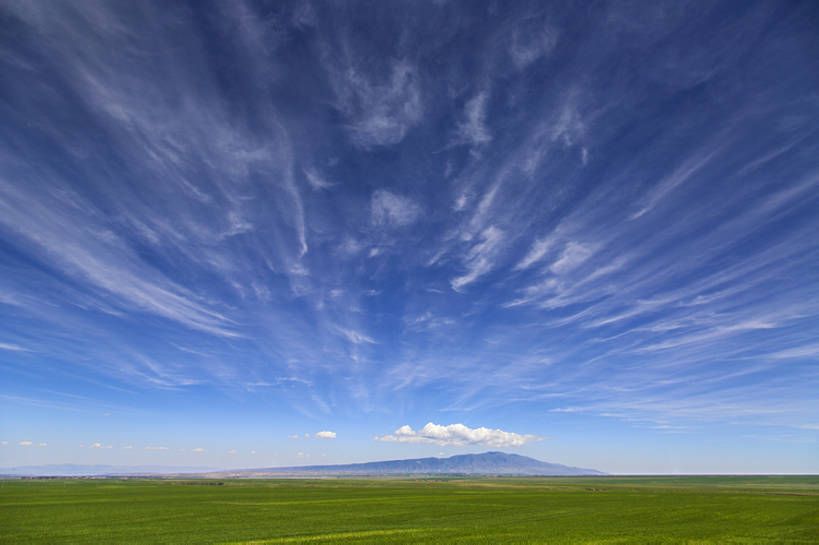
<point>488,463</point>
<point>74,470</point>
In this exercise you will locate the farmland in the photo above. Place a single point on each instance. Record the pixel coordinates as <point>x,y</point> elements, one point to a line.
<point>608,510</point>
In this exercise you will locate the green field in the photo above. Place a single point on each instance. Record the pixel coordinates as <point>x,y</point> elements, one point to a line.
<point>512,510</point>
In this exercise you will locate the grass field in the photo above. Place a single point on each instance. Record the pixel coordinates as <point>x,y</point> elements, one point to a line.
<point>606,510</point>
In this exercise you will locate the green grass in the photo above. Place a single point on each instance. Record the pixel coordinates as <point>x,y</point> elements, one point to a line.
<point>610,510</point>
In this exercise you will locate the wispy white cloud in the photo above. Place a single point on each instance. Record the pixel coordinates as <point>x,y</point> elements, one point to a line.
<point>690,167</point>
<point>805,351</point>
<point>574,254</point>
<point>531,40</point>
<point>570,126</point>
<point>537,252</point>
<point>390,209</point>
<point>356,337</point>
<point>316,181</point>
<point>13,347</point>
<point>458,435</point>
<point>480,257</point>
<point>156,448</point>
<point>473,129</point>
<point>380,107</point>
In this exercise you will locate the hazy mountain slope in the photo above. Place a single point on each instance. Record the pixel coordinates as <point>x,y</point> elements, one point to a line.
<point>488,463</point>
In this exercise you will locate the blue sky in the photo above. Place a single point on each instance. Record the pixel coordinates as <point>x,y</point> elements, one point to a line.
<point>586,233</point>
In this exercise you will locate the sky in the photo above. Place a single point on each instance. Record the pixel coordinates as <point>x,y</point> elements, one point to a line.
<point>254,234</point>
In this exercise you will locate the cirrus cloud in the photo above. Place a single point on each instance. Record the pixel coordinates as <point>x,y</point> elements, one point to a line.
<point>391,209</point>
<point>458,435</point>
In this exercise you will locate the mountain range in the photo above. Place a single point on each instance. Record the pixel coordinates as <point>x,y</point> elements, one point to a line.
<point>487,463</point>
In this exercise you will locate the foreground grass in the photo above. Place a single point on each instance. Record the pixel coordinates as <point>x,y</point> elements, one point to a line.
<point>610,510</point>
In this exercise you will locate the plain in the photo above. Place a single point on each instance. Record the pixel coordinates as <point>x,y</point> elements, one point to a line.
<point>611,510</point>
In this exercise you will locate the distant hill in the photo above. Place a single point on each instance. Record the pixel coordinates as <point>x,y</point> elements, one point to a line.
<point>74,470</point>
<point>488,463</point>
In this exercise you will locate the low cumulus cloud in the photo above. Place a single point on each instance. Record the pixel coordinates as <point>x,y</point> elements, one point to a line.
<point>326,435</point>
<point>458,435</point>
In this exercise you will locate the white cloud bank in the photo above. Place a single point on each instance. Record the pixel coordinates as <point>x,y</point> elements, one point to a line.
<point>326,435</point>
<point>458,435</point>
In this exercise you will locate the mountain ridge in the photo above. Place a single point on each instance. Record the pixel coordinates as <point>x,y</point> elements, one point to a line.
<point>487,463</point>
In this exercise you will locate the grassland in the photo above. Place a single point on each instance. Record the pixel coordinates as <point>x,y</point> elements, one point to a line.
<point>610,510</point>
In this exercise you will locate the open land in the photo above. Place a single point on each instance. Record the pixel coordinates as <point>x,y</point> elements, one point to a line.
<point>601,510</point>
